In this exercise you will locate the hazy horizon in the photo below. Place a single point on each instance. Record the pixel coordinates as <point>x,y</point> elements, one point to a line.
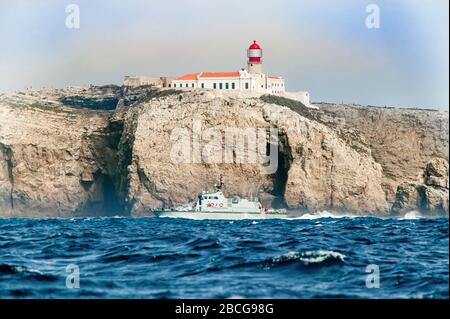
<point>320,46</point>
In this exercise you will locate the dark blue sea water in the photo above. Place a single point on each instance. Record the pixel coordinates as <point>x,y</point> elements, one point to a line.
<point>170,258</point>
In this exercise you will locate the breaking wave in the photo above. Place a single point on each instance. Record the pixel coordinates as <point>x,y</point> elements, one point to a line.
<point>24,272</point>
<point>307,258</point>
<point>412,215</point>
<point>326,214</point>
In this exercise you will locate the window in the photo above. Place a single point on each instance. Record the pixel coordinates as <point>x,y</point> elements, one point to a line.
<point>232,86</point>
<point>203,85</point>
<point>214,86</point>
<point>226,86</point>
<point>169,85</point>
<point>192,84</point>
<point>187,85</point>
<point>174,85</point>
<point>246,86</point>
<point>220,86</point>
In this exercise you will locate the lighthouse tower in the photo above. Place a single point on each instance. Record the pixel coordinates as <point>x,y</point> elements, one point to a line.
<point>254,59</point>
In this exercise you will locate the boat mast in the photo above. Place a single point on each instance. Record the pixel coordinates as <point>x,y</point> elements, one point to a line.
<point>220,185</point>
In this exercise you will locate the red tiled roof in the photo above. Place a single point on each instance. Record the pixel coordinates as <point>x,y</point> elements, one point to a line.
<point>274,77</point>
<point>219,75</point>
<point>192,76</point>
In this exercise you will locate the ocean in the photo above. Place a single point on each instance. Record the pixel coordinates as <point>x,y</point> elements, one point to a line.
<point>178,258</point>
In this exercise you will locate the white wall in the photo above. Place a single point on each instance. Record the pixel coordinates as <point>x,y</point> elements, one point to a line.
<point>256,83</point>
<point>209,83</point>
<point>185,84</point>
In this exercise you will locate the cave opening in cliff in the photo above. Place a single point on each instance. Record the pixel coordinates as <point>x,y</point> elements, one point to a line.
<point>112,204</point>
<point>280,177</point>
<point>103,199</point>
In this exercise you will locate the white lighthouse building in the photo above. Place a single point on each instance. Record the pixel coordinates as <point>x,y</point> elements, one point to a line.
<point>251,79</point>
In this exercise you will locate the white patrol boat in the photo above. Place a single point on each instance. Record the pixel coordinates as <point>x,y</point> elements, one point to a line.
<point>216,206</point>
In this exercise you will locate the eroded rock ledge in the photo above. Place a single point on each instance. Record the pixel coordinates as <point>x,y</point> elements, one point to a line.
<point>106,151</point>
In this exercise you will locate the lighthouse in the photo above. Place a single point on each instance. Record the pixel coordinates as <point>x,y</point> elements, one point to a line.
<point>250,79</point>
<point>254,58</point>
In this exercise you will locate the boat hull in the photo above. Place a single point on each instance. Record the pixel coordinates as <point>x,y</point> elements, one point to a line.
<point>219,215</point>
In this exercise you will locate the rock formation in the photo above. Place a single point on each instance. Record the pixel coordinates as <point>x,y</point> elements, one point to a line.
<point>56,160</point>
<point>429,196</point>
<point>108,151</point>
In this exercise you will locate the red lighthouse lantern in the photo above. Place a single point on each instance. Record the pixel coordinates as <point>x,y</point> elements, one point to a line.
<point>254,53</point>
<point>254,58</point>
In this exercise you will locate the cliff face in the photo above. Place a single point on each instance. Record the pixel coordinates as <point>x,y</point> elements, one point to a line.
<point>410,145</point>
<point>55,160</point>
<point>72,152</point>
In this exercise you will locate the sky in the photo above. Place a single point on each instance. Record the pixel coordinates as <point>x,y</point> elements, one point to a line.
<point>320,46</point>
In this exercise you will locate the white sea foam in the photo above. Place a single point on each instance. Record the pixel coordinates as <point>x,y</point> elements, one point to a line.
<point>326,214</point>
<point>318,256</point>
<point>21,269</point>
<point>412,215</point>
<point>310,257</point>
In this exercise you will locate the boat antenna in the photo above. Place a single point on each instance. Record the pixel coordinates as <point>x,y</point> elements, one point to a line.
<point>220,185</point>
<point>258,189</point>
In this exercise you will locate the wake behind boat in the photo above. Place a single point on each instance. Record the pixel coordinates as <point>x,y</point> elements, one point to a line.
<point>215,205</point>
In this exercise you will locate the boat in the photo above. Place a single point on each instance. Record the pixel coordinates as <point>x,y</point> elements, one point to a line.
<point>215,205</point>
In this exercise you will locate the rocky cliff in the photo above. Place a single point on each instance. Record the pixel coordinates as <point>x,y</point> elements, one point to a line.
<point>109,151</point>
<point>56,160</point>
